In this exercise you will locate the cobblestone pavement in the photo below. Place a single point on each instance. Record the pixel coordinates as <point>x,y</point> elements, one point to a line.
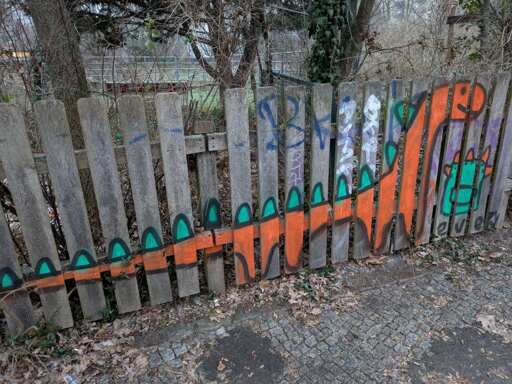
<point>434,328</point>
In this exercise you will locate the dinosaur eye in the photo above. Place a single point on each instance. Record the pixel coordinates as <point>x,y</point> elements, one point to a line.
<point>463,90</point>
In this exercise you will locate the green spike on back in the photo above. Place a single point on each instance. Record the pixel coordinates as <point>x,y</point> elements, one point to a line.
<point>150,240</point>
<point>390,152</point>
<point>243,215</point>
<point>293,201</point>
<point>7,281</point>
<point>213,213</point>
<point>366,178</point>
<point>82,261</point>
<point>317,195</point>
<point>399,112</point>
<point>118,251</point>
<point>182,229</point>
<point>342,190</point>
<point>44,268</point>
<point>269,208</point>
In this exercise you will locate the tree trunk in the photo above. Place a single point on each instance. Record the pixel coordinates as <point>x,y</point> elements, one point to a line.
<point>59,44</point>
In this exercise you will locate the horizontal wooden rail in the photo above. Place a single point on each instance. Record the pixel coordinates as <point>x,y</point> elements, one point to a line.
<point>194,143</point>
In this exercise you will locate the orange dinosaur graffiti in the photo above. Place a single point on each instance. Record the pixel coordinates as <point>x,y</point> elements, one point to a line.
<point>439,117</point>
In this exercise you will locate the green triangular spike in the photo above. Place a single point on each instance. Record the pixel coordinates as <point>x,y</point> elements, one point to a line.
<point>399,112</point>
<point>366,179</point>
<point>293,199</point>
<point>44,269</point>
<point>182,230</point>
<point>318,195</point>
<point>213,213</point>
<point>82,261</point>
<point>118,251</point>
<point>150,240</point>
<point>269,208</point>
<point>390,152</point>
<point>7,281</point>
<point>342,190</point>
<point>243,215</point>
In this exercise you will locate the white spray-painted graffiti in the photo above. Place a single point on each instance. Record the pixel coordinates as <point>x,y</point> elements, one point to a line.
<point>370,128</point>
<point>344,140</point>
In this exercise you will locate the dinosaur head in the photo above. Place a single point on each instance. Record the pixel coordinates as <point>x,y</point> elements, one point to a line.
<point>460,107</point>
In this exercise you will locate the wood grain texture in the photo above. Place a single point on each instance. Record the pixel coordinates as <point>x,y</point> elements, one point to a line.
<point>294,177</point>
<point>209,191</point>
<point>344,163</point>
<point>492,131</point>
<point>417,109</point>
<point>31,209</point>
<point>471,148</point>
<point>172,140</point>
<point>132,124</point>
<point>16,305</point>
<point>237,126</point>
<point>367,170</point>
<point>268,182</point>
<point>499,197</point>
<point>390,166</point>
<point>107,188</point>
<point>319,171</point>
<point>56,139</point>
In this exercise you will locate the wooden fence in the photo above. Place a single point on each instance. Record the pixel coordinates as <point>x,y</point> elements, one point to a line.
<point>395,164</point>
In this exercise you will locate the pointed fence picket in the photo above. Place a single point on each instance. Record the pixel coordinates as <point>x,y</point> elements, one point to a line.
<point>426,175</point>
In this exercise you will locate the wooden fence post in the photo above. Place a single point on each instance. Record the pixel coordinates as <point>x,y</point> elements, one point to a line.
<point>16,305</point>
<point>172,141</point>
<point>32,213</point>
<point>210,213</point>
<point>237,126</point>
<point>132,123</point>
<point>367,170</point>
<point>344,163</point>
<point>56,138</point>
<point>294,178</point>
<point>319,175</point>
<point>268,182</point>
<point>107,187</point>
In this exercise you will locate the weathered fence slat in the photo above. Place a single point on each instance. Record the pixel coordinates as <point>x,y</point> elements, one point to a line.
<point>470,159</point>
<point>268,182</point>
<point>395,119</point>
<point>107,188</point>
<point>492,131</point>
<point>132,124</point>
<point>445,206</point>
<point>319,174</point>
<point>33,215</point>
<point>414,127</point>
<point>367,170</point>
<point>497,206</point>
<point>237,126</point>
<point>294,178</point>
<point>432,152</point>
<point>172,139</point>
<point>210,214</point>
<point>56,139</point>
<point>344,163</point>
<point>16,305</point>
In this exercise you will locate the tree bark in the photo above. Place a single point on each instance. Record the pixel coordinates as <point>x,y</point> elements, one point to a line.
<point>59,44</point>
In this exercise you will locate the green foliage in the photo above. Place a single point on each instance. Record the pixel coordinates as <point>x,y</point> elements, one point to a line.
<point>329,26</point>
<point>470,6</point>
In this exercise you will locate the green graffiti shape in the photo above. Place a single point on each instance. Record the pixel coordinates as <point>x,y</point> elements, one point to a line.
<point>243,216</point>
<point>390,152</point>
<point>81,260</point>
<point>293,201</point>
<point>462,200</point>
<point>269,208</point>
<point>7,281</point>
<point>366,178</point>
<point>342,188</point>
<point>399,112</point>
<point>118,250</point>
<point>317,195</point>
<point>151,240</point>
<point>182,228</point>
<point>45,267</point>
<point>211,218</point>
